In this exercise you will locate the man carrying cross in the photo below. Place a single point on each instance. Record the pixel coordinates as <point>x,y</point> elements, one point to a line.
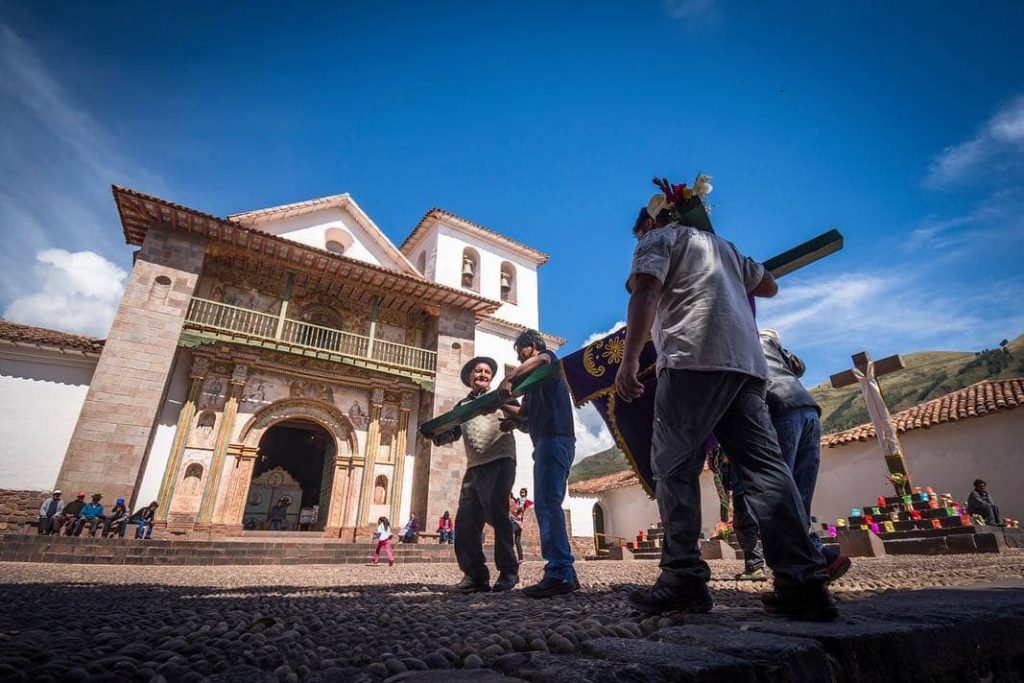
<point>692,288</point>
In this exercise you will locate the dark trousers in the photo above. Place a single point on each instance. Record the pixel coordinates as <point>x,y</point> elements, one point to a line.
<point>745,526</point>
<point>517,532</point>
<point>691,404</point>
<point>483,499</point>
<point>115,526</point>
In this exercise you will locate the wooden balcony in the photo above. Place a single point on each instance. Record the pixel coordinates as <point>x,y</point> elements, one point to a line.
<point>241,325</point>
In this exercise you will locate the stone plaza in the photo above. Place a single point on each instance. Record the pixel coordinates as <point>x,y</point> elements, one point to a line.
<point>903,618</point>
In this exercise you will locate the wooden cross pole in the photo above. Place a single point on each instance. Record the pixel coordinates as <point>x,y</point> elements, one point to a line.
<point>866,373</point>
<point>782,264</point>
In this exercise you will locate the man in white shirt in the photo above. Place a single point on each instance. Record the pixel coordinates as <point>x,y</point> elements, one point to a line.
<point>690,289</point>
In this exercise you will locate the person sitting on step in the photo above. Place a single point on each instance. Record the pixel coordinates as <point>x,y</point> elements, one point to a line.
<point>445,528</point>
<point>117,521</point>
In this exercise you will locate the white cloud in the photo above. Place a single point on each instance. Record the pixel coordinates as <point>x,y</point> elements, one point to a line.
<point>999,139</point>
<point>58,163</point>
<point>692,12</point>
<point>77,292</point>
<point>592,435</point>
<point>600,335</point>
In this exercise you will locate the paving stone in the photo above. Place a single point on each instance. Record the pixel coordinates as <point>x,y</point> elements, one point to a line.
<point>457,676</point>
<point>536,667</point>
<point>778,659</point>
<point>674,662</point>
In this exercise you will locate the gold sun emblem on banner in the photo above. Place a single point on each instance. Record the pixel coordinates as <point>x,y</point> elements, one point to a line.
<point>610,350</point>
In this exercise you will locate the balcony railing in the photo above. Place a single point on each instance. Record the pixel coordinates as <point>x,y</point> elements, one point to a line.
<point>212,315</point>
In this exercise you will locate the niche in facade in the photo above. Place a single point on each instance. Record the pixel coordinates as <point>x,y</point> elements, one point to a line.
<point>471,269</point>
<point>508,282</point>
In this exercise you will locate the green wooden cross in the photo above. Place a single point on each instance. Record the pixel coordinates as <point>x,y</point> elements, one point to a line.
<point>782,264</point>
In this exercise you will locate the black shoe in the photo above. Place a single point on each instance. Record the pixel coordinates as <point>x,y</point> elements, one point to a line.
<point>549,587</point>
<point>470,585</point>
<point>807,602</point>
<point>505,582</point>
<point>691,597</point>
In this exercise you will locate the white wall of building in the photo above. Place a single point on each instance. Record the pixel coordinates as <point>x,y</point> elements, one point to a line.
<point>160,449</point>
<point>628,510</point>
<point>314,229</point>
<point>448,271</point>
<point>42,393</point>
<point>947,457</point>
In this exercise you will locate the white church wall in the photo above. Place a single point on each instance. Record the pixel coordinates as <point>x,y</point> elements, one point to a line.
<point>312,229</point>
<point>42,393</point>
<point>163,438</point>
<point>947,457</point>
<point>628,510</point>
<point>425,256</point>
<point>448,271</point>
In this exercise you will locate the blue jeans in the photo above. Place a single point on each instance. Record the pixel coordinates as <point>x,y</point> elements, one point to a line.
<point>799,432</point>
<point>552,458</point>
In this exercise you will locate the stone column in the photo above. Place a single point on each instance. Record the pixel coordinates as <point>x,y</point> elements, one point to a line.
<point>372,444</point>
<point>401,439</point>
<point>339,503</point>
<point>242,460</point>
<point>438,470</point>
<point>200,366</point>
<point>227,426</point>
<point>109,445</point>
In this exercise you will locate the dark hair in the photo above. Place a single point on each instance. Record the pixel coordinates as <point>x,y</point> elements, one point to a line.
<point>446,515</point>
<point>530,338</point>
<point>384,520</point>
<point>641,218</point>
<point>980,481</point>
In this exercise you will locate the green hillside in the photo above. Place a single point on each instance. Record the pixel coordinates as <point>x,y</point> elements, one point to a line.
<point>598,465</point>
<point>929,374</point>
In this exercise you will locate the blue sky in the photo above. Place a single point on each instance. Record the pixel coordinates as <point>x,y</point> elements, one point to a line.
<point>900,124</point>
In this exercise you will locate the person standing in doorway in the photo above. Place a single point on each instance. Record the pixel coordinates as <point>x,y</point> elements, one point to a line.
<point>279,515</point>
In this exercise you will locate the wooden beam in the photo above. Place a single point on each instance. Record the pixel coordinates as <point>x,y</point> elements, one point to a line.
<point>806,253</point>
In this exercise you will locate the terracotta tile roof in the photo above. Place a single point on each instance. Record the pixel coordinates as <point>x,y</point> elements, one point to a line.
<point>977,400</point>
<point>535,255</point>
<point>19,334</point>
<point>609,482</point>
<point>522,328</point>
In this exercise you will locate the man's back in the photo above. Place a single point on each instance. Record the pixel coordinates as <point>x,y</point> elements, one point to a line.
<point>704,318</point>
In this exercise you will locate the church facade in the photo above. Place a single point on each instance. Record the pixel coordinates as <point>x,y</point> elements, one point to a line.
<point>289,354</point>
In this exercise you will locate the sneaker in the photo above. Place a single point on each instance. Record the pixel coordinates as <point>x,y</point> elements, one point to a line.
<point>807,602</point>
<point>505,582</point>
<point>757,574</point>
<point>838,566</point>
<point>470,585</point>
<point>692,597</point>
<point>549,587</point>
<point>391,563</point>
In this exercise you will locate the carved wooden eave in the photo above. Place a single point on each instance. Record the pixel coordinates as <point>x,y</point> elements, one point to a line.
<point>314,267</point>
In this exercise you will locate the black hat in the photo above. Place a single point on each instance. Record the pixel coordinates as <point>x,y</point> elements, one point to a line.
<point>468,367</point>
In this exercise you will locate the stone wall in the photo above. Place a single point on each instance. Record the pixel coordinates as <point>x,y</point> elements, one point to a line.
<point>109,445</point>
<point>17,507</point>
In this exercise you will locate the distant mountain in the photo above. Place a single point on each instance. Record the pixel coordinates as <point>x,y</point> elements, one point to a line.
<point>929,374</point>
<point>598,465</point>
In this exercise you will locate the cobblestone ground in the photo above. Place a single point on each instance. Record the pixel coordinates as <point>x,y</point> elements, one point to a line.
<point>350,623</point>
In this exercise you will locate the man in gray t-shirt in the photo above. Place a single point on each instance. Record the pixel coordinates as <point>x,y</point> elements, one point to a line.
<point>690,288</point>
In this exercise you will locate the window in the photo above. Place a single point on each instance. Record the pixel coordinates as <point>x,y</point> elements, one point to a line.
<point>337,240</point>
<point>380,490</point>
<point>470,270</point>
<point>508,282</point>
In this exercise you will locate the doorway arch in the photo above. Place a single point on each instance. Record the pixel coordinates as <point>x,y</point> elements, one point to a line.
<point>336,485</point>
<point>599,532</point>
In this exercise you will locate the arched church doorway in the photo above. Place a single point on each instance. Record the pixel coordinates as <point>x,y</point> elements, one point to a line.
<point>599,538</point>
<point>294,466</point>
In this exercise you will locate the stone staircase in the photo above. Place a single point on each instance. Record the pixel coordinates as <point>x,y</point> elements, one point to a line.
<point>273,548</point>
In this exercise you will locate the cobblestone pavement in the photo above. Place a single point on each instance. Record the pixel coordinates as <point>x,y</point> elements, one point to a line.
<point>351,623</point>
